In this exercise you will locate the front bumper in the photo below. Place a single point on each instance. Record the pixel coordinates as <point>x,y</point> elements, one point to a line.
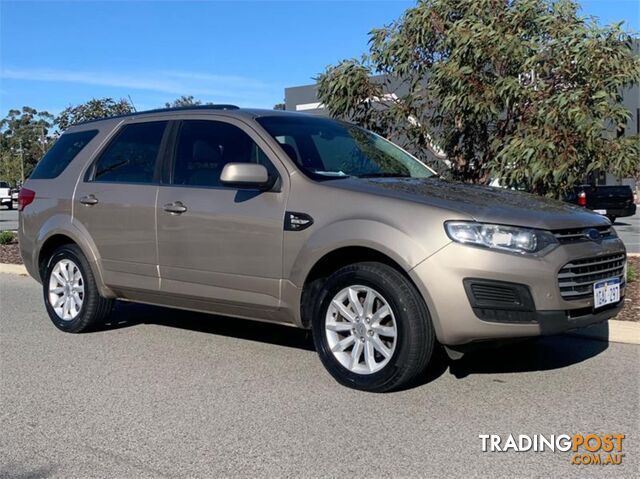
<point>440,279</point>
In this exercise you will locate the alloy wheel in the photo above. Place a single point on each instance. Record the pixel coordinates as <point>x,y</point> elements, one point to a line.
<point>66,289</point>
<point>361,329</point>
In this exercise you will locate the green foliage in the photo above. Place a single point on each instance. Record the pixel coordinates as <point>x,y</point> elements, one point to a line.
<point>6,237</point>
<point>632,273</point>
<point>10,166</point>
<point>92,110</point>
<point>526,91</point>
<point>183,101</point>
<point>25,136</point>
<point>279,106</point>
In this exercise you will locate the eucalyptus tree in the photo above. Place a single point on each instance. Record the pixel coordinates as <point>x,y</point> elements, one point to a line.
<point>527,91</point>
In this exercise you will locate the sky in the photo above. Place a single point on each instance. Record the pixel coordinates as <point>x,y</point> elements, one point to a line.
<point>54,54</point>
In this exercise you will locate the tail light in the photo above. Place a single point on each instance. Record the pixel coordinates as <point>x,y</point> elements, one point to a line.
<point>582,198</point>
<point>25,198</point>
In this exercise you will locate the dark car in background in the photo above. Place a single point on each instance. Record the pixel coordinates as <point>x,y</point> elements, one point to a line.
<point>612,201</point>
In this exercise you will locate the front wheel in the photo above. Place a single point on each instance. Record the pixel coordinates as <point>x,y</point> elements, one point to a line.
<point>371,328</point>
<point>612,218</point>
<point>70,292</point>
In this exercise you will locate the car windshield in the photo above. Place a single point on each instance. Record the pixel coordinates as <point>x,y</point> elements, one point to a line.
<point>328,149</point>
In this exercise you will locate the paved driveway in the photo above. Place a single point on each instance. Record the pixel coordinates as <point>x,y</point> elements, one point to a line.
<point>8,219</point>
<point>176,394</point>
<point>629,230</point>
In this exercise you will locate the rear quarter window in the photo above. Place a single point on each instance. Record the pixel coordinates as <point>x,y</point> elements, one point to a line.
<point>61,154</point>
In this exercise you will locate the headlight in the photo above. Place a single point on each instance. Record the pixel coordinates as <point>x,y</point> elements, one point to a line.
<point>506,238</point>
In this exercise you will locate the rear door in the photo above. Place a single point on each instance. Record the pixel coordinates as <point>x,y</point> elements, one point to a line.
<point>115,203</point>
<point>225,246</point>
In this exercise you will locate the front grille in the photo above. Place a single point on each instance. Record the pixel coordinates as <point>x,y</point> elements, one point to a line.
<point>576,235</point>
<point>576,279</point>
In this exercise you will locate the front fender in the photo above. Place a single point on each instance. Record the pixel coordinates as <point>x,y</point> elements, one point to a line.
<point>381,237</point>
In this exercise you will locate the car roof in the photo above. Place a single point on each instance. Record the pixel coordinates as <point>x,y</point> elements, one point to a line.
<point>226,110</point>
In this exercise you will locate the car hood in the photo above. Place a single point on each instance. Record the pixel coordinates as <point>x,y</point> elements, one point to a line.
<point>482,203</point>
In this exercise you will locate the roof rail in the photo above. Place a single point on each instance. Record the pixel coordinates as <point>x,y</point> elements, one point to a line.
<point>162,110</point>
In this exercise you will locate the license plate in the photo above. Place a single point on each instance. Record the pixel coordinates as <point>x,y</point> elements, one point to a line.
<point>600,212</point>
<point>606,292</point>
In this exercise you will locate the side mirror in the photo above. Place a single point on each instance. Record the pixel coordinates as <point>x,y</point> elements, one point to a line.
<point>245,175</point>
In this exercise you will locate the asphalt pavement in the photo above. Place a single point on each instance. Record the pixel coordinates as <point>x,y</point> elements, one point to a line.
<point>8,219</point>
<point>629,230</point>
<point>166,393</point>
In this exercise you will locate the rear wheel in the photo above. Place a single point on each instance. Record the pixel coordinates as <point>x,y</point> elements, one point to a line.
<point>371,328</point>
<point>612,218</point>
<point>70,291</point>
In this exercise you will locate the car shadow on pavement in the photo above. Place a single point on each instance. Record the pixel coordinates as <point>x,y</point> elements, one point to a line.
<point>539,354</point>
<point>132,314</point>
<point>18,471</point>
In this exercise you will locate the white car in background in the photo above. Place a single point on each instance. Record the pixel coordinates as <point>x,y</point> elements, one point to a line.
<point>5,195</point>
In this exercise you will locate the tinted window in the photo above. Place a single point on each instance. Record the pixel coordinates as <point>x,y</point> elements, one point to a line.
<point>61,154</point>
<point>131,156</point>
<point>326,149</point>
<point>4,184</point>
<point>204,147</point>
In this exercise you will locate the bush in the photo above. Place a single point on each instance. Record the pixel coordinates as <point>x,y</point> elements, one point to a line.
<point>7,237</point>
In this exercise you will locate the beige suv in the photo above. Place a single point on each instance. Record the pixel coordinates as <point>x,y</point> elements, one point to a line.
<point>307,222</point>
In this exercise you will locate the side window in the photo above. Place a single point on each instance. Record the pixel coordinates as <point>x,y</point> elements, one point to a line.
<point>205,147</point>
<point>61,154</point>
<point>131,155</point>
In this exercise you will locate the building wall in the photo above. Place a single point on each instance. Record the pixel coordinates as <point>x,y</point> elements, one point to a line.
<point>303,99</point>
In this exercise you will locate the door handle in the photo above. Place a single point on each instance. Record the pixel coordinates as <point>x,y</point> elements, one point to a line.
<point>89,200</point>
<point>175,208</point>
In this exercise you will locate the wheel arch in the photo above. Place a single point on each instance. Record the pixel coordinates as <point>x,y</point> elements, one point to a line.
<point>340,243</point>
<point>58,234</point>
<point>334,260</point>
<point>52,243</point>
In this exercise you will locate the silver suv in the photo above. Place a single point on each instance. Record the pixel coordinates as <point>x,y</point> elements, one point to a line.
<point>307,222</point>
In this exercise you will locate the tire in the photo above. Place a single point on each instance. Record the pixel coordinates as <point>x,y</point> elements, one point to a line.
<point>406,354</point>
<point>91,308</point>
<point>10,205</point>
<point>612,218</point>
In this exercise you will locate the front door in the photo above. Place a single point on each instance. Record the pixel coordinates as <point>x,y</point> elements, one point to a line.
<point>116,203</point>
<point>217,243</point>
